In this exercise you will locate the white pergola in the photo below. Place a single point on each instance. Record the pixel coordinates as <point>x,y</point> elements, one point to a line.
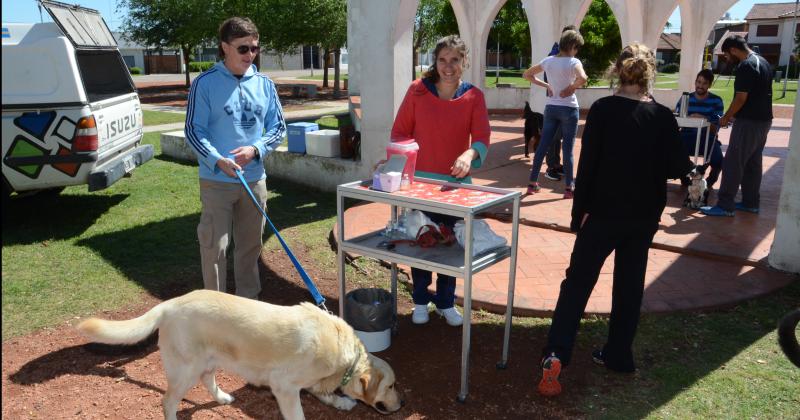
<point>380,33</point>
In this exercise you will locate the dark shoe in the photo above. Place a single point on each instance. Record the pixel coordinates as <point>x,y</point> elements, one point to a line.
<point>597,357</point>
<point>715,211</point>
<point>741,207</point>
<point>551,368</point>
<point>533,188</point>
<point>552,175</point>
<point>560,170</point>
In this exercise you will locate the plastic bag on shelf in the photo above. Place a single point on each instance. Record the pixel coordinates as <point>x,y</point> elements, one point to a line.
<point>483,238</point>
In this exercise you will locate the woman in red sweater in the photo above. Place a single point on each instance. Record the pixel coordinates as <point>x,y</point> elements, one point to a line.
<point>448,119</point>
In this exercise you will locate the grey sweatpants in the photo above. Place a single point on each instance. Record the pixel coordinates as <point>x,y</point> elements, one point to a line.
<point>227,208</point>
<point>742,163</point>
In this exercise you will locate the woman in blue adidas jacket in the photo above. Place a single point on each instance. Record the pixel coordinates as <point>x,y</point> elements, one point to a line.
<point>233,120</point>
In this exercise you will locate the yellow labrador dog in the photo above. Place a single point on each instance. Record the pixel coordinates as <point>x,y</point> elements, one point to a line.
<point>288,348</point>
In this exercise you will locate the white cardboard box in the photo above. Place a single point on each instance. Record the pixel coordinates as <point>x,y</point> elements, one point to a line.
<point>323,143</point>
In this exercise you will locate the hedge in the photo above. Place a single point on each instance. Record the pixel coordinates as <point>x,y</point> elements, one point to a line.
<point>136,70</point>
<point>197,66</point>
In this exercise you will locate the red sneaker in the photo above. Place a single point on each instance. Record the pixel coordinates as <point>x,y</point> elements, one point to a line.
<point>568,193</point>
<point>551,368</point>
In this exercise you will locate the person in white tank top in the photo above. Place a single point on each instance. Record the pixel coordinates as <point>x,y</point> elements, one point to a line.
<point>565,74</point>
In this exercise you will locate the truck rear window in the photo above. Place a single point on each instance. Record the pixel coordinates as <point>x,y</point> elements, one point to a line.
<point>104,74</point>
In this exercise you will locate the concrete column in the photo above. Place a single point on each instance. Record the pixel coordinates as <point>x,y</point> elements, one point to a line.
<point>785,251</point>
<point>380,37</point>
<point>697,20</point>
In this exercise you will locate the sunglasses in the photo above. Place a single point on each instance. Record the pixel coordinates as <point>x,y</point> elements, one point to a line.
<point>243,49</point>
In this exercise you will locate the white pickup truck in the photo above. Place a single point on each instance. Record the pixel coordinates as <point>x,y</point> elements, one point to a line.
<point>71,114</point>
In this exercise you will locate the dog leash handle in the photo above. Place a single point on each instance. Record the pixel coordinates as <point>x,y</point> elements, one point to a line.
<point>312,288</point>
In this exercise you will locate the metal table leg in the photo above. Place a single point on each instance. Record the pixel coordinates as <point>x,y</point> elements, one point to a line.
<point>512,275</point>
<point>339,252</point>
<point>465,335</point>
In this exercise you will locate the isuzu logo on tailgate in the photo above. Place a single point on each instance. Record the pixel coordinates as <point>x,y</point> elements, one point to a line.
<point>122,125</point>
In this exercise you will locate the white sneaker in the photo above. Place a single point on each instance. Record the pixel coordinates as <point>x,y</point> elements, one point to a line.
<point>420,314</point>
<point>451,315</point>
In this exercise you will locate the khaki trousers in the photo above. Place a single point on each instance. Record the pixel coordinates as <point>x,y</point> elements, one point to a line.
<point>228,209</point>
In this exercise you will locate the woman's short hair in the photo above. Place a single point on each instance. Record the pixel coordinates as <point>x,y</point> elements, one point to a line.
<point>570,39</point>
<point>636,65</point>
<point>233,28</point>
<point>452,42</point>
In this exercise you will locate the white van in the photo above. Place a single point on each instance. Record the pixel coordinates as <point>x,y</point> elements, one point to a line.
<point>71,114</point>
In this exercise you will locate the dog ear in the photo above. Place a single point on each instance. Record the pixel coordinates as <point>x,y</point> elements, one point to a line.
<point>364,380</point>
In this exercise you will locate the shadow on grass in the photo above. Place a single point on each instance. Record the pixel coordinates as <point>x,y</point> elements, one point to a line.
<point>28,220</point>
<point>163,257</point>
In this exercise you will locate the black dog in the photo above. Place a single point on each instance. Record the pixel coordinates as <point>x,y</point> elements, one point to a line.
<point>533,127</point>
<point>787,337</point>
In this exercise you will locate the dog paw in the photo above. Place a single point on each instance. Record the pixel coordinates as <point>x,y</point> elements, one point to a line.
<point>345,403</point>
<point>224,398</point>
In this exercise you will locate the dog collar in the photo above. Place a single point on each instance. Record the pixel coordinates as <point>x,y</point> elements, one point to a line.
<point>349,374</point>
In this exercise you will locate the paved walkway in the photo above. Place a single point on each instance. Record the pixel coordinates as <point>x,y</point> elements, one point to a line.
<point>696,262</point>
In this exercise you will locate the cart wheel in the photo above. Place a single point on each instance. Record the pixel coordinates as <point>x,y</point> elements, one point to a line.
<point>501,365</point>
<point>462,400</point>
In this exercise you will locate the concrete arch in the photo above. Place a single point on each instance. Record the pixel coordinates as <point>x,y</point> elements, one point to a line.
<point>546,18</point>
<point>697,20</point>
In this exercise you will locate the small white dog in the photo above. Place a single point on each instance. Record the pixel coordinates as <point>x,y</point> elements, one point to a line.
<point>288,348</point>
<point>697,195</point>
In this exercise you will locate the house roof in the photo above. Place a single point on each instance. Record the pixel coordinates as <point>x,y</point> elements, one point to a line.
<point>771,11</point>
<point>718,47</point>
<point>669,42</point>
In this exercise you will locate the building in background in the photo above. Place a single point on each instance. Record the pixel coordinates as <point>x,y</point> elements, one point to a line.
<point>772,30</point>
<point>150,60</point>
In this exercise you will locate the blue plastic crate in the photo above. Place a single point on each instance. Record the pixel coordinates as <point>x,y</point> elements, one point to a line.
<point>296,132</point>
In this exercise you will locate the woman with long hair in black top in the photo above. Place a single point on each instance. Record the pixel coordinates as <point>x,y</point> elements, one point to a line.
<point>628,134</point>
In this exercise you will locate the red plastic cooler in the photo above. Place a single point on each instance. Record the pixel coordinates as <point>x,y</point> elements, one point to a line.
<point>407,148</point>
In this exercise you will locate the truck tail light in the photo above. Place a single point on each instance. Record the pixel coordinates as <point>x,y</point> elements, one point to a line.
<point>85,135</point>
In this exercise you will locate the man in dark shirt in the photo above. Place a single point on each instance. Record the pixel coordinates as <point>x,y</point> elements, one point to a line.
<point>751,111</point>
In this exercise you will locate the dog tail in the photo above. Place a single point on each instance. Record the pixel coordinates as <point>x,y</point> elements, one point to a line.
<point>787,338</point>
<point>130,331</point>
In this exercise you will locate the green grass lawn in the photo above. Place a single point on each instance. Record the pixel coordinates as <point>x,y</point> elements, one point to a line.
<point>103,250</point>
<point>721,87</point>
<point>159,117</point>
<point>318,76</point>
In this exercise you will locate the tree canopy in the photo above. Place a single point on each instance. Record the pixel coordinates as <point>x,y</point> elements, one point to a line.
<point>602,41</point>
<point>284,25</point>
<point>181,24</point>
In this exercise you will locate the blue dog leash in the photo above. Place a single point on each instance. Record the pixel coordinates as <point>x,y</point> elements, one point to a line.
<point>306,279</point>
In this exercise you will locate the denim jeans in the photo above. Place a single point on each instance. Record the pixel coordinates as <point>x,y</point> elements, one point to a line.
<point>555,117</point>
<point>445,285</point>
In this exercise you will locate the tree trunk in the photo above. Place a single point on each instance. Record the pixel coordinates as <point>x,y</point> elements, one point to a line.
<point>325,64</point>
<point>336,73</point>
<point>414,63</point>
<point>185,50</point>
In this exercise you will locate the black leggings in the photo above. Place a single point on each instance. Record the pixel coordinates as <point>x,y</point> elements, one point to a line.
<point>594,243</point>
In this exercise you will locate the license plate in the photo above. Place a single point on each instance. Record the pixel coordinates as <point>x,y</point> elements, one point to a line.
<point>128,163</point>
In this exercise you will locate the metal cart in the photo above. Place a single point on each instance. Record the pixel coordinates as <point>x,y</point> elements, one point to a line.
<point>460,200</point>
<point>699,124</point>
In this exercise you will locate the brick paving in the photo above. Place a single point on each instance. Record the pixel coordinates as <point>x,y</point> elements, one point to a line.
<point>696,262</point>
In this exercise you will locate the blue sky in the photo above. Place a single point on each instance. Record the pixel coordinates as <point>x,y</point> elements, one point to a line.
<point>738,12</point>
<point>26,11</point>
